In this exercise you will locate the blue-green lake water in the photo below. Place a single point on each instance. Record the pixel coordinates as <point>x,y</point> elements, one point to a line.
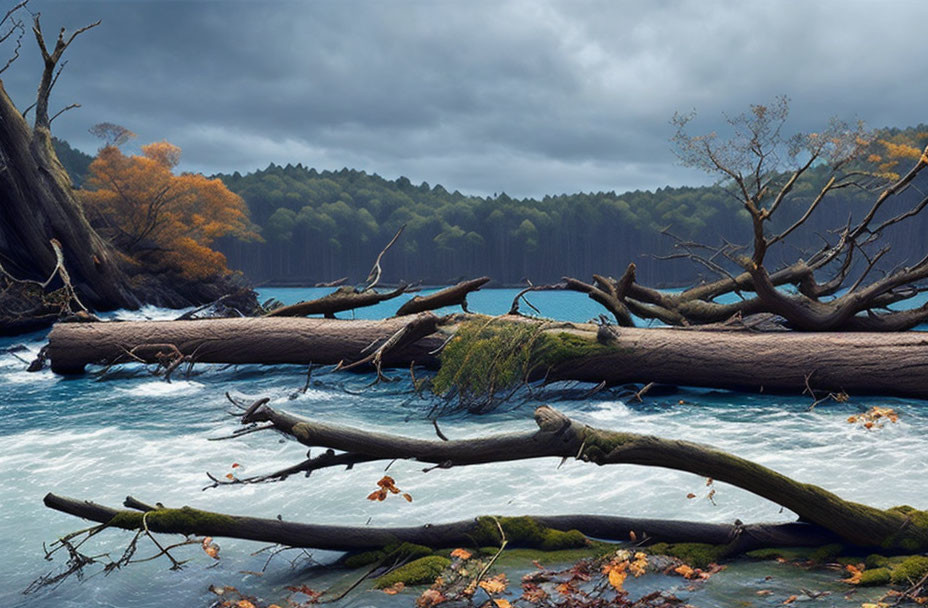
<point>132,433</point>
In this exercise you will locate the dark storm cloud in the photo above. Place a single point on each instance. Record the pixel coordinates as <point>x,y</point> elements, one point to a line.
<point>527,97</point>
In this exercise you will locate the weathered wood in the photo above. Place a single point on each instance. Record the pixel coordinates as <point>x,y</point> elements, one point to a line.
<point>559,436</point>
<point>38,204</point>
<point>256,340</point>
<point>456,295</point>
<point>788,362</point>
<point>455,534</point>
<point>340,300</point>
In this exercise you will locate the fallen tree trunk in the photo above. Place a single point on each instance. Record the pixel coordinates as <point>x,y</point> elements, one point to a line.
<point>456,295</point>
<point>340,300</point>
<point>467,533</point>
<point>898,529</point>
<point>256,340</point>
<point>787,362</point>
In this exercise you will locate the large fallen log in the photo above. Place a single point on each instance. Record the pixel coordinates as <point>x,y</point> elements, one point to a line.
<point>466,533</point>
<point>896,529</point>
<point>256,340</point>
<point>788,362</point>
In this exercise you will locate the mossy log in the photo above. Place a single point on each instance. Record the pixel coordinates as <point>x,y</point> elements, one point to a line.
<point>898,529</point>
<point>549,532</point>
<point>786,362</point>
<point>257,340</point>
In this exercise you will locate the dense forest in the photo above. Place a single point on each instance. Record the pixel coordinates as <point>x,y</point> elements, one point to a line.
<point>321,225</point>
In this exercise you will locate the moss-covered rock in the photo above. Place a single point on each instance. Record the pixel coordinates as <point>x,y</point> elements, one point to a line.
<point>698,555</point>
<point>422,571</point>
<point>910,571</point>
<point>872,577</point>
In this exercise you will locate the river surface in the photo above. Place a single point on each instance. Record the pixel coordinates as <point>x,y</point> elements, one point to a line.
<point>128,432</point>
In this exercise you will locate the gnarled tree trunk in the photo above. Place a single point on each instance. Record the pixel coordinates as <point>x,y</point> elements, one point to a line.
<point>37,204</point>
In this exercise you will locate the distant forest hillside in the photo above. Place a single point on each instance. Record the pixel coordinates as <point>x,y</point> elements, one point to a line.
<point>322,225</point>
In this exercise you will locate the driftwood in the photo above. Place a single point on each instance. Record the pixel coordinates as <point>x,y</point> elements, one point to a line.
<point>340,300</point>
<point>788,362</point>
<point>257,340</point>
<point>456,295</point>
<point>461,533</point>
<point>559,436</point>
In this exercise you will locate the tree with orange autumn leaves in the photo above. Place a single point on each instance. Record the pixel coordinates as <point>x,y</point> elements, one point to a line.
<point>160,220</point>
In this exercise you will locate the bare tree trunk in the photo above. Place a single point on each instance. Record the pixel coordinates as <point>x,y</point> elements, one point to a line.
<point>788,362</point>
<point>255,340</point>
<point>456,534</point>
<point>559,436</point>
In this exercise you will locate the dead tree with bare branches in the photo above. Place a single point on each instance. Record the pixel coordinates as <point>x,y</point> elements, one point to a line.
<point>834,288</point>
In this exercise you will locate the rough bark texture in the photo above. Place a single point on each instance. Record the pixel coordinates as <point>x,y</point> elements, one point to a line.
<point>559,436</point>
<point>340,300</point>
<point>256,340</point>
<point>855,363</point>
<point>456,295</point>
<point>456,534</point>
<point>37,203</point>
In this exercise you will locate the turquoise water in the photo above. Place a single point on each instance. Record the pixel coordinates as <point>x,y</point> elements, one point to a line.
<point>132,433</point>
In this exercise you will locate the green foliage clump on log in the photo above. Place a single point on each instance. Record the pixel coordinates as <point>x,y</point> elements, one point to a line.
<point>489,356</point>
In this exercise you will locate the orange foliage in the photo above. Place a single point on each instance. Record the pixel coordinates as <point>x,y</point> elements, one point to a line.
<point>152,214</point>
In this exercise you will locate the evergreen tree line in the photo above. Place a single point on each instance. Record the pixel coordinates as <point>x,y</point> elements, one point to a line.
<point>322,225</point>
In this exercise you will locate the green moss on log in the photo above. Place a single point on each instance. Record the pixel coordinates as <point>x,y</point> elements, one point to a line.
<point>826,553</point>
<point>912,536</point>
<point>487,355</point>
<point>364,558</point>
<point>788,553</point>
<point>422,571</point>
<point>393,553</point>
<point>910,571</point>
<point>185,520</point>
<point>698,555</point>
<point>874,577</point>
<point>526,532</point>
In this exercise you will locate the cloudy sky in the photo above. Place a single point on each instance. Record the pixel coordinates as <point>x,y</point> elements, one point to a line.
<point>529,97</point>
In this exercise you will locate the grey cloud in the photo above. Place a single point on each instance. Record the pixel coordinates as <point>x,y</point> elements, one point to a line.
<point>524,96</point>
